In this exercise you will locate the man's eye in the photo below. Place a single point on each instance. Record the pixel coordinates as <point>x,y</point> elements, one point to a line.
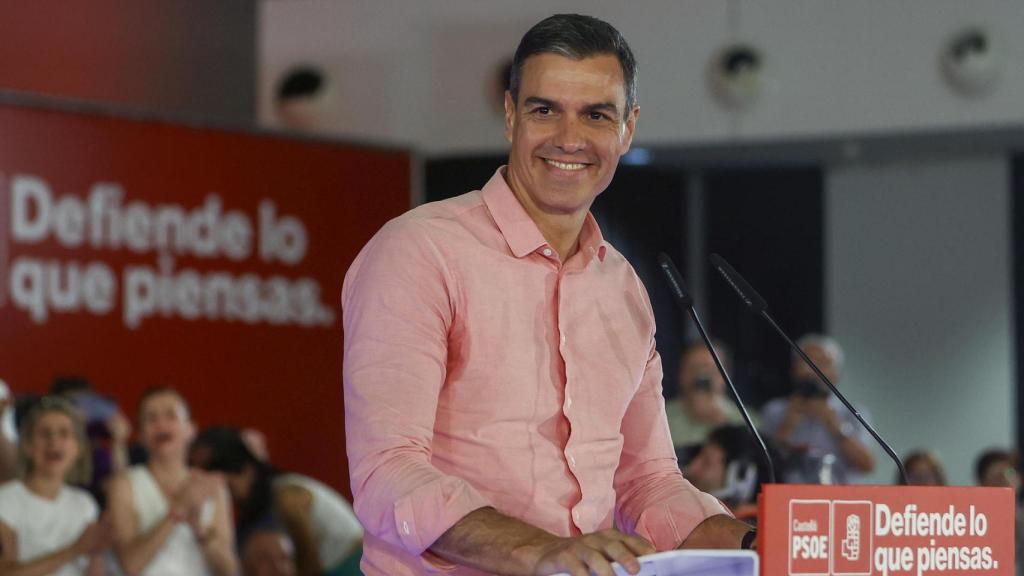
<point>597,116</point>
<point>542,110</point>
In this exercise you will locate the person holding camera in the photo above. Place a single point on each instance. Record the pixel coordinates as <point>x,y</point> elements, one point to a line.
<point>826,442</point>
<point>701,403</point>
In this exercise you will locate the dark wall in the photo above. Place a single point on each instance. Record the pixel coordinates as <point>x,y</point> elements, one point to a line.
<point>187,57</point>
<point>767,223</point>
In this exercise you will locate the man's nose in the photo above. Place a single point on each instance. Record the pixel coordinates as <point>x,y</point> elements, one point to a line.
<point>570,137</point>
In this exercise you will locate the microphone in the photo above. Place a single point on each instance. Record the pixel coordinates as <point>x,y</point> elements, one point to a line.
<point>758,306</point>
<point>685,301</point>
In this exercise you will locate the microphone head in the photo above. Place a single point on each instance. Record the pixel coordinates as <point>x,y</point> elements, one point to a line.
<point>746,292</point>
<point>675,281</point>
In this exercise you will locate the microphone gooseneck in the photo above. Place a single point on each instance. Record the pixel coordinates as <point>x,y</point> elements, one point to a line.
<point>758,306</point>
<point>685,301</point>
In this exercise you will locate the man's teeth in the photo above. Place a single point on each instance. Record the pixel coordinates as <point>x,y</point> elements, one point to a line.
<point>566,165</point>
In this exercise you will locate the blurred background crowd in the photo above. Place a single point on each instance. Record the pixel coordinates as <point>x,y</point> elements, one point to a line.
<point>154,491</point>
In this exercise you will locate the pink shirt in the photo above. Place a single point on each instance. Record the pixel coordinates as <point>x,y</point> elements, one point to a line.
<point>481,371</point>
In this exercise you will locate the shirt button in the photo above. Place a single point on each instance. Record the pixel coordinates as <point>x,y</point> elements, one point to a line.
<point>568,401</point>
<point>547,251</point>
<point>576,516</point>
<point>405,528</point>
<point>572,461</point>
<point>562,339</point>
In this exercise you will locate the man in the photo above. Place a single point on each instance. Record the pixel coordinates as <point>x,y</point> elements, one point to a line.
<point>502,390</point>
<point>701,404</point>
<point>813,423</point>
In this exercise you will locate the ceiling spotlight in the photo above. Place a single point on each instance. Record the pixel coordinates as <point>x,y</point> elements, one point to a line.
<point>970,62</point>
<point>736,76</point>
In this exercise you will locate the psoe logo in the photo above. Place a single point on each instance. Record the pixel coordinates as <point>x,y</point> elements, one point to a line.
<point>810,523</point>
<point>851,538</point>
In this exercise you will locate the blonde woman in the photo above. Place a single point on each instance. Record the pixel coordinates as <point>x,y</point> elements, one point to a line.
<point>170,519</point>
<point>46,525</point>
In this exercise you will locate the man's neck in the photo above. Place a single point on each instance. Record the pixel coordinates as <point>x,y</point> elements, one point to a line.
<point>562,231</point>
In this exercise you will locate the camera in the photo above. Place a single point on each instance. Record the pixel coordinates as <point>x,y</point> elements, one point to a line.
<point>703,383</point>
<point>810,388</point>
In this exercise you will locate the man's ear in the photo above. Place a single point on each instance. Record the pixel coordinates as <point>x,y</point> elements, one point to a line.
<point>510,115</point>
<point>629,129</point>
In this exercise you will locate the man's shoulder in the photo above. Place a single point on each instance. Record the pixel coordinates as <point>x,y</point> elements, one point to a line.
<point>435,215</point>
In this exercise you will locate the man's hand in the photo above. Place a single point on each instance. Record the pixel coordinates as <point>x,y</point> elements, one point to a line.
<point>593,554</point>
<point>717,532</point>
<point>489,541</point>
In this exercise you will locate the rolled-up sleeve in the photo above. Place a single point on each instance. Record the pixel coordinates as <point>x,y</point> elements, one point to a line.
<point>397,313</point>
<point>653,500</point>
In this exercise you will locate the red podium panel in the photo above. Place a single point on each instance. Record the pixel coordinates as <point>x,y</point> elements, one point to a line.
<point>886,531</point>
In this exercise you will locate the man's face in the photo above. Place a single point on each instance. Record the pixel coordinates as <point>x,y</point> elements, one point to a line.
<point>567,130</point>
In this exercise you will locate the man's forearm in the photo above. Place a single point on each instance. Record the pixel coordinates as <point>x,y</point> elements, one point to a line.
<point>717,532</point>
<point>488,540</point>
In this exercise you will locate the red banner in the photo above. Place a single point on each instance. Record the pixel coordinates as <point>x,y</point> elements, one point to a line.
<point>886,531</point>
<point>137,253</point>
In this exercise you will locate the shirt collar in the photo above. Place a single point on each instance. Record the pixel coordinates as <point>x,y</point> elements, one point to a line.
<point>521,232</point>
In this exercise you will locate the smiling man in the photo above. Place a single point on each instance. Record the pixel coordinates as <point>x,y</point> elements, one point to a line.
<point>502,389</point>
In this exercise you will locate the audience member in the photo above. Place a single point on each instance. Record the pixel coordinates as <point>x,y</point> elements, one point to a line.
<point>811,422</point>
<point>268,551</point>
<point>46,525</point>
<point>729,466</point>
<point>998,468</point>
<point>106,426</point>
<point>702,403</point>
<point>319,521</point>
<point>923,469</point>
<point>8,435</point>
<point>169,519</point>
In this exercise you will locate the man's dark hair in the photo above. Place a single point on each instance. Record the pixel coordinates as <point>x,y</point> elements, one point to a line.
<point>577,37</point>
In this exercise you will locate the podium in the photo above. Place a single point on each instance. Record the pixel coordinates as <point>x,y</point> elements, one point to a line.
<point>813,530</point>
<point>695,563</point>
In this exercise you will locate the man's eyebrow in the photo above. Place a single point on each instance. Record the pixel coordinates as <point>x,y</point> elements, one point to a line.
<point>538,101</point>
<point>604,107</point>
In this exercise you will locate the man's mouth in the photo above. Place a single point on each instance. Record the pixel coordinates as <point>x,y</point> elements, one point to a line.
<point>54,456</point>
<point>571,166</point>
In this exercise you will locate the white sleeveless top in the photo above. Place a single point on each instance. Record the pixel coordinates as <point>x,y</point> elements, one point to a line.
<point>44,526</point>
<point>335,525</point>
<point>181,554</point>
